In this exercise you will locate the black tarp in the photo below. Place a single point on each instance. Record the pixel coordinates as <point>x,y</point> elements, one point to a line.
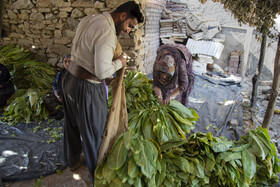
<point>26,154</point>
<point>217,102</point>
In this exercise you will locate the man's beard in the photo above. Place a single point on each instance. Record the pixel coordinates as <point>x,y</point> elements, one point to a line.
<point>119,27</point>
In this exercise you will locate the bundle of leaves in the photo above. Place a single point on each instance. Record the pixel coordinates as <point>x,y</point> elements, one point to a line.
<point>163,123</point>
<point>26,72</point>
<point>28,107</point>
<point>139,91</point>
<point>133,161</point>
<point>200,160</point>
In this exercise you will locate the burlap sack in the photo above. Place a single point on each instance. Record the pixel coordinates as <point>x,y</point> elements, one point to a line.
<point>117,120</point>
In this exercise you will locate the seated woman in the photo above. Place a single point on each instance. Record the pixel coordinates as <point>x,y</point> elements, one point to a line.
<point>7,88</point>
<point>54,100</point>
<point>173,74</point>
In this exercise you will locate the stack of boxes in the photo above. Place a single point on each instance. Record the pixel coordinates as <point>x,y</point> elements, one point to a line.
<point>235,62</point>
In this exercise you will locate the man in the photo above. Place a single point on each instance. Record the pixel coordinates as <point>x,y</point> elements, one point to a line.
<point>85,102</point>
<point>7,89</point>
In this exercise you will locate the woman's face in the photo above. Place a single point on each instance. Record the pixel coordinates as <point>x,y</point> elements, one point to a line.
<point>164,78</point>
<point>66,62</point>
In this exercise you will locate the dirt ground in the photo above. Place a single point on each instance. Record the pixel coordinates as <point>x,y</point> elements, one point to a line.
<point>79,178</point>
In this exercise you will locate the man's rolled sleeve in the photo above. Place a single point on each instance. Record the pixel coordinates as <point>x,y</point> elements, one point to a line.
<point>104,49</point>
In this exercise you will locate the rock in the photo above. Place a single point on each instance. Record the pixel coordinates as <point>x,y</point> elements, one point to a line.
<point>91,11</point>
<point>233,122</point>
<point>57,33</point>
<point>23,16</point>
<point>114,3</point>
<point>12,15</point>
<point>62,40</point>
<point>52,61</point>
<point>83,4</point>
<point>43,3</point>
<point>76,13</point>
<point>46,42</point>
<point>99,4</point>
<point>69,33</point>
<point>72,23</point>
<point>37,16</point>
<point>22,4</point>
<point>63,14</point>
<point>60,3</point>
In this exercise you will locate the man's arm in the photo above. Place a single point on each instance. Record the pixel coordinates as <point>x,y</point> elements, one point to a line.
<point>104,48</point>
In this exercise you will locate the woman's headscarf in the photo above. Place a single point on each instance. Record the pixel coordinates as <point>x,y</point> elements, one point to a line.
<point>166,62</point>
<point>171,57</point>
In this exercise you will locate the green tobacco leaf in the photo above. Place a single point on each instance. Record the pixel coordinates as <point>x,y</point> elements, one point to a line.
<point>239,148</point>
<point>257,147</point>
<point>182,163</point>
<point>220,146</point>
<point>118,154</point>
<point>249,164</point>
<point>210,162</point>
<point>186,112</point>
<point>228,156</point>
<point>172,144</point>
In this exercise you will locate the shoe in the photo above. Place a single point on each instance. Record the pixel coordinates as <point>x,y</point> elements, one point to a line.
<point>78,165</point>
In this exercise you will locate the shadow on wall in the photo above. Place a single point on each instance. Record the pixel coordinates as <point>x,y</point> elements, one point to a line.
<point>235,39</point>
<point>254,60</point>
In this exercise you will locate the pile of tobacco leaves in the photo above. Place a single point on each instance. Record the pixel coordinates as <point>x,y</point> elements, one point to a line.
<point>32,80</point>
<point>159,150</point>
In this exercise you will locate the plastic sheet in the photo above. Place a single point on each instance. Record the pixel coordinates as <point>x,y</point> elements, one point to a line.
<point>27,155</point>
<point>217,102</point>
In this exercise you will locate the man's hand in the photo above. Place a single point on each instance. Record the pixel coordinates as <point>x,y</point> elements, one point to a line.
<point>123,58</point>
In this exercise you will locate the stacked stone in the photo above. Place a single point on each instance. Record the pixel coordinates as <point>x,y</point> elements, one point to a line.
<point>153,11</point>
<point>234,62</point>
<point>47,27</point>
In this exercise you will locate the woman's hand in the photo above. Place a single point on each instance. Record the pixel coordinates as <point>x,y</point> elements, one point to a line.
<point>166,100</point>
<point>160,99</point>
<point>57,96</point>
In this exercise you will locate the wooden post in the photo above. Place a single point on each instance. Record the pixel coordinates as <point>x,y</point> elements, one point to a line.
<point>247,44</point>
<point>256,78</point>
<point>1,17</point>
<point>274,90</point>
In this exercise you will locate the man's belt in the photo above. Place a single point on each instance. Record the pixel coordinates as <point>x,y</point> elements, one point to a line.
<point>81,72</point>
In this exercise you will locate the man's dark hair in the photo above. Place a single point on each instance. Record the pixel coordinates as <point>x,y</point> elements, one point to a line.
<point>132,9</point>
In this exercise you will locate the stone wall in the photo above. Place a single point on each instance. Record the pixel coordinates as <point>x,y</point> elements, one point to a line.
<point>47,27</point>
<point>153,12</point>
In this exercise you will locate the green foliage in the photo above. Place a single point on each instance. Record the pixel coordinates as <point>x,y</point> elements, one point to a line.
<point>26,72</point>
<point>256,13</point>
<point>26,108</point>
<point>156,152</point>
<point>163,122</point>
<point>39,181</point>
<point>139,91</point>
<point>195,161</point>
<point>32,80</point>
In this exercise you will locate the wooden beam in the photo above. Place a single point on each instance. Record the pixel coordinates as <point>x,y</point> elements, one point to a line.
<point>274,90</point>
<point>1,18</point>
<point>256,78</point>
